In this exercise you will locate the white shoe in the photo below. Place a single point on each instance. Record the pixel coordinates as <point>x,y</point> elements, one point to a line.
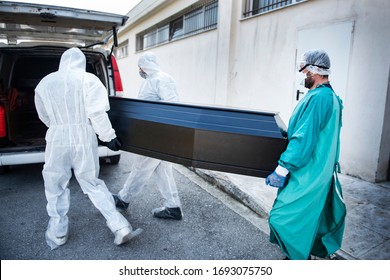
<point>125,235</point>
<point>54,241</point>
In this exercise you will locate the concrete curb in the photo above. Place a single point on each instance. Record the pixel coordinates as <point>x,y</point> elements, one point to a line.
<point>225,184</point>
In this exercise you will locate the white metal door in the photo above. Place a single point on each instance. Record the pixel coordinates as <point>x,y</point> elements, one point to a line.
<point>335,39</point>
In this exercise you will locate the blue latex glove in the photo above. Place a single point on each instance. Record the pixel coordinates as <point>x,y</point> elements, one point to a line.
<point>275,180</point>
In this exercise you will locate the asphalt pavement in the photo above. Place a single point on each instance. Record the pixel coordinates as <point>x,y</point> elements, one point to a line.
<point>23,219</point>
<point>367,226</point>
<point>214,227</point>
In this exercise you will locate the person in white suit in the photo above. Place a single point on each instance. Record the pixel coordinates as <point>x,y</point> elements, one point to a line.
<point>72,104</point>
<point>158,86</point>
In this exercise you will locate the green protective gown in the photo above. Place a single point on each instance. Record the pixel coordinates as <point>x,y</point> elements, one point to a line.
<point>309,212</point>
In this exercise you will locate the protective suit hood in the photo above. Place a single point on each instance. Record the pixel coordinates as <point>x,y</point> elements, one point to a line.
<point>72,58</point>
<point>148,63</point>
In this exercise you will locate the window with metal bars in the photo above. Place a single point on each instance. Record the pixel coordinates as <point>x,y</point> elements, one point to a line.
<point>196,20</point>
<point>122,50</point>
<point>254,7</point>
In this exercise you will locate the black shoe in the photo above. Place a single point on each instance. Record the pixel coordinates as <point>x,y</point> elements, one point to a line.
<point>168,213</point>
<point>120,203</point>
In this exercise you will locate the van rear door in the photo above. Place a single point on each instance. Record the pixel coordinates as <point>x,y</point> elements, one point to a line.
<point>38,22</point>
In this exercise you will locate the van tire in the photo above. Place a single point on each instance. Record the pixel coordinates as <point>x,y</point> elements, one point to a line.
<point>115,159</point>
<point>4,169</point>
<point>111,159</point>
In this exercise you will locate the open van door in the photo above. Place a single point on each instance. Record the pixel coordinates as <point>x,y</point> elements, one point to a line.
<point>24,21</point>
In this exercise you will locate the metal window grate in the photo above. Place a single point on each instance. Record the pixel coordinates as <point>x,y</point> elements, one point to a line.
<point>254,7</point>
<point>202,18</point>
<point>122,50</point>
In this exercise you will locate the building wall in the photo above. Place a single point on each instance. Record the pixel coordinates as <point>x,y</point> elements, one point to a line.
<point>268,43</point>
<point>367,91</point>
<point>190,61</point>
<point>250,63</point>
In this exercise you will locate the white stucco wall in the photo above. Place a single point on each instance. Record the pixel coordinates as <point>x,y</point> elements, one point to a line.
<point>367,89</point>
<point>251,64</point>
<point>263,72</point>
<point>190,61</point>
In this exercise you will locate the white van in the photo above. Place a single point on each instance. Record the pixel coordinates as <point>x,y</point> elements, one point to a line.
<point>32,39</point>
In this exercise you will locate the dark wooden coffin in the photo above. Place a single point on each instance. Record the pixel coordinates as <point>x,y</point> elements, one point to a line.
<point>221,139</point>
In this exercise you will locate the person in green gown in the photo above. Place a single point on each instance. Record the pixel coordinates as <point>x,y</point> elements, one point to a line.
<point>308,214</point>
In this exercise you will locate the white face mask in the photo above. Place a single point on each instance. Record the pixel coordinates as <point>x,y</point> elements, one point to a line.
<point>304,80</point>
<point>300,78</point>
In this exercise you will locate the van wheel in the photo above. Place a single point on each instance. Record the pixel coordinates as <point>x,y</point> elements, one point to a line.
<point>4,169</point>
<point>112,159</point>
<point>115,159</point>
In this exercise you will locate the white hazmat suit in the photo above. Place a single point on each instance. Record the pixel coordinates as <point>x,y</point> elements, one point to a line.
<point>72,104</point>
<point>158,86</point>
